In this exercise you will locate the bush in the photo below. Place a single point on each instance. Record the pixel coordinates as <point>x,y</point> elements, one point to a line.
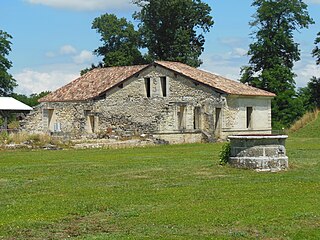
<point>225,154</point>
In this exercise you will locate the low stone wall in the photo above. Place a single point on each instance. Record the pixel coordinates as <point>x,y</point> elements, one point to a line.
<point>259,152</point>
<point>174,138</point>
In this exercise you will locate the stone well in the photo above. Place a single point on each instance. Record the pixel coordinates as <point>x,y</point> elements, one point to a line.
<point>259,152</point>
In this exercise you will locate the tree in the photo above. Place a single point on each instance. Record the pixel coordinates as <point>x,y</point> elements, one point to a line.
<point>314,89</point>
<point>31,100</point>
<point>274,52</point>
<point>174,29</point>
<point>7,83</point>
<point>120,41</point>
<point>316,50</point>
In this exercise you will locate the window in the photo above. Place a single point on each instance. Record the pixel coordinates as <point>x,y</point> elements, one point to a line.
<point>57,127</point>
<point>218,117</point>
<point>249,117</point>
<point>181,118</point>
<point>148,86</point>
<point>91,123</point>
<point>196,118</point>
<point>163,81</point>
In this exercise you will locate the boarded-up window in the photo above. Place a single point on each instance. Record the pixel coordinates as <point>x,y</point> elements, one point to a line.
<point>196,118</point>
<point>147,82</point>
<point>249,117</point>
<point>163,81</point>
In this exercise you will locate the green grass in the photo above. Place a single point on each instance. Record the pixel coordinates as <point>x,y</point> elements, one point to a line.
<point>310,130</point>
<point>166,192</point>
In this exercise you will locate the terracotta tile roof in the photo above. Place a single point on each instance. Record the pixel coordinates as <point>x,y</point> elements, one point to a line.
<point>92,84</point>
<point>220,83</point>
<point>99,80</point>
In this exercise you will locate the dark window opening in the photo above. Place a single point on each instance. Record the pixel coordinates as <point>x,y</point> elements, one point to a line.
<point>249,117</point>
<point>164,86</point>
<point>196,118</point>
<point>148,86</point>
<point>92,123</point>
<point>218,116</point>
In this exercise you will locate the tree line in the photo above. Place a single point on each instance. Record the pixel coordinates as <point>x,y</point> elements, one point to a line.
<point>174,30</point>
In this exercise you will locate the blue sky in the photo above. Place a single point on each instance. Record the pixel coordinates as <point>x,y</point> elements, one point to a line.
<point>53,40</point>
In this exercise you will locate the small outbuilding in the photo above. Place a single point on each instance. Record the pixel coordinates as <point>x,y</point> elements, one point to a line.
<point>8,106</point>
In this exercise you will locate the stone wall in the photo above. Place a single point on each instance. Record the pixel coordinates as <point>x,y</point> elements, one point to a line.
<point>169,106</point>
<point>259,152</point>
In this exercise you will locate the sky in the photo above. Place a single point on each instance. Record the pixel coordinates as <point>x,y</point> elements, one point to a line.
<point>53,40</point>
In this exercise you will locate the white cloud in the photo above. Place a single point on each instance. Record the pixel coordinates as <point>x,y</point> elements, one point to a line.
<point>313,1</point>
<point>305,71</point>
<point>67,50</point>
<point>240,52</point>
<point>85,56</point>
<point>31,81</point>
<point>85,5</point>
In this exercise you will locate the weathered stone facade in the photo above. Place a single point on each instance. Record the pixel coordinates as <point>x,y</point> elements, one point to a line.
<point>159,102</point>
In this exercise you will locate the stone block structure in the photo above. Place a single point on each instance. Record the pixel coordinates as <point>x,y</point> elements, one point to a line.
<point>167,100</point>
<point>259,152</point>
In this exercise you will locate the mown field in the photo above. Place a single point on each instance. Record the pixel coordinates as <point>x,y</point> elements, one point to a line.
<point>165,192</point>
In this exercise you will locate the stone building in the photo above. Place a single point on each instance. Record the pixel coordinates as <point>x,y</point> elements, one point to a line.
<point>168,100</point>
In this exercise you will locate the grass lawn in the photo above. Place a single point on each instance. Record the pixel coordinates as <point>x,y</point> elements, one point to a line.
<point>166,192</point>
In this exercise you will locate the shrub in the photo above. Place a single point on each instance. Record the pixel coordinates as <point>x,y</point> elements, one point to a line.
<point>225,154</point>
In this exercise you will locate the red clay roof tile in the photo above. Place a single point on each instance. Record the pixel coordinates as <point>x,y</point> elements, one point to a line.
<point>99,80</point>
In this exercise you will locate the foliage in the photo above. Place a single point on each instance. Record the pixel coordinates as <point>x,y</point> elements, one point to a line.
<point>7,82</point>
<point>171,29</point>
<point>31,100</point>
<point>316,50</point>
<point>310,94</point>
<point>120,41</point>
<point>167,192</point>
<point>274,52</point>
<point>225,153</point>
<point>314,88</point>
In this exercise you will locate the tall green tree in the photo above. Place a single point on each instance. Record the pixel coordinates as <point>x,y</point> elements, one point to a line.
<point>314,83</point>
<point>274,52</point>
<point>120,41</point>
<point>7,82</point>
<point>174,29</point>
<point>316,50</point>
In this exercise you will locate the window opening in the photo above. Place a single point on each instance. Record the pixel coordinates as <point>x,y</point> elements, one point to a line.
<point>148,87</point>
<point>50,115</point>
<point>218,116</point>
<point>196,118</point>
<point>181,118</point>
<point>163,81</point>
<point>249,117</point>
